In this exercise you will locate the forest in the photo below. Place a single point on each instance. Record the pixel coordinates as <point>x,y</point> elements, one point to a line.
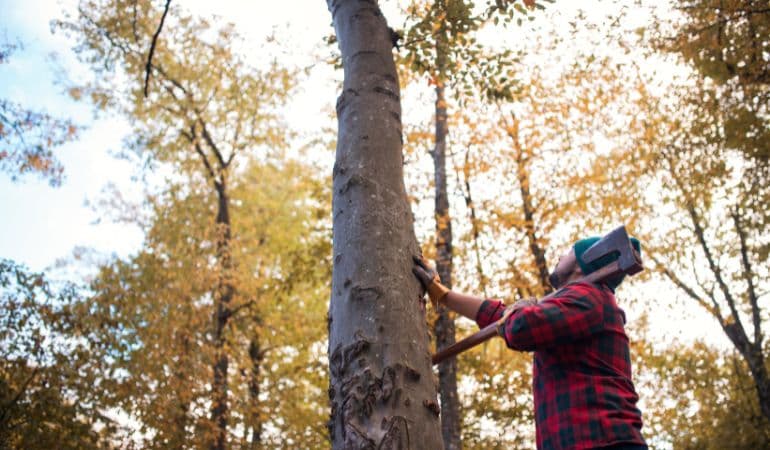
<point>250,225</point>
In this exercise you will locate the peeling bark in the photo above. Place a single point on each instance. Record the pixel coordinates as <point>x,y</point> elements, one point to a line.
<point>379,356</point>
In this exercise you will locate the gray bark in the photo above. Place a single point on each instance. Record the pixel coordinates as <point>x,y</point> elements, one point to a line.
<point>382,391</point>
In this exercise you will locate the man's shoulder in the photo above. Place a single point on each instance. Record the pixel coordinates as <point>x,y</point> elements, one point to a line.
<point>585,290</point>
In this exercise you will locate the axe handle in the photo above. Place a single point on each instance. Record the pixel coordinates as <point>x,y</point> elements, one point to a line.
<point>486,333</point>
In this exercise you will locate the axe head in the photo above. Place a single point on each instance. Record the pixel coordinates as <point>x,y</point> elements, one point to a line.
<point>616,241</point>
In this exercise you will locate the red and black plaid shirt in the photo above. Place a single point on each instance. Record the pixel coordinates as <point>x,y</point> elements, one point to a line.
<point>584,396</point>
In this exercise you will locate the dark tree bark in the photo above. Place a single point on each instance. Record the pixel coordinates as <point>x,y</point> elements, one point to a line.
<point>445,325</point>
<point>222,298</point>
<point>382,390</point>
<point>180,433</point>
<point>255,355</point>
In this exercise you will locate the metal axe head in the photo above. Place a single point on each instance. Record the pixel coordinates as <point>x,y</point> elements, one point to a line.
<point>616,241</point>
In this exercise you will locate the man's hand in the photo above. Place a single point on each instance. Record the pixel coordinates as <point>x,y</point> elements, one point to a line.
<point>430,280</point>
<point>512,309</point>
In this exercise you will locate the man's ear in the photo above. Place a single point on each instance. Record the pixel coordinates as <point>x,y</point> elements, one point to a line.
<point>570,262</point>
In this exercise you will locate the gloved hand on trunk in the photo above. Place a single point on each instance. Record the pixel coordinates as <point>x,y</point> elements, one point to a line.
<point>430,281</point>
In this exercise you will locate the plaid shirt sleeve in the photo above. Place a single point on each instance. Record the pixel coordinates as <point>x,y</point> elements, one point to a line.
<point>490,311</point>
<point>574,313</point>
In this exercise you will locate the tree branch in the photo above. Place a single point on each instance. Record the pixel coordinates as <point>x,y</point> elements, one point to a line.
<point>748,275</point>
<point>193,138</point>
<point>210,141</point>
<point>713,266</point>
<point>474,221</point>
<point>713,308</point>
<point>148,67</point>
<point>15,399</point>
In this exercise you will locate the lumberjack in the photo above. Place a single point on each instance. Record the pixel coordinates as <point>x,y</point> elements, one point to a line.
<point>583,393</point>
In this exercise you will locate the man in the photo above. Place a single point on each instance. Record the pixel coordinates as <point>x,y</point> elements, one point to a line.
<point>584,396</point>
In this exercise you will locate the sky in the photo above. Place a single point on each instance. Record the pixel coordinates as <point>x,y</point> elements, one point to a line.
<point>43,224</point>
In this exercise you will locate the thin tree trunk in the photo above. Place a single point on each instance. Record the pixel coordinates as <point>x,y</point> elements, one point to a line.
<point>382,391</point>
<point>223,295</point>
<point>183,395</point>
<point>474,222</point>
<point>444,326</point>
<point>255,356</point>
<point>528,208</point>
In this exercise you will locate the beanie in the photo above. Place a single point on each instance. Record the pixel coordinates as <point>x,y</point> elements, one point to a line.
<point>582,245</point>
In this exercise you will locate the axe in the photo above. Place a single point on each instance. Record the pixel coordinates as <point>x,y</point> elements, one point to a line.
<point>629,263</point>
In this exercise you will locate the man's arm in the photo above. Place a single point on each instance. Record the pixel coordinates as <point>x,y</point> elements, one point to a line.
<point>575,313</point>
<point>475,308</point>
<point>463,304</point>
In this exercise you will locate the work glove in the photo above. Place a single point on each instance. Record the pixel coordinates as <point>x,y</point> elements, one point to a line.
<point>430,281</point>
<point>531,301</point>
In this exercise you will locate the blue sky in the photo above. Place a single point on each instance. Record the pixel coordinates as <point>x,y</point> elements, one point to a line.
<point>41,223</point>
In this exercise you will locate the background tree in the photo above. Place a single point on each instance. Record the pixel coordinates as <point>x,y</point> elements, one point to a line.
<point>727,41</point>
<point>720,409</point>
<point>161,361</point>
<point>46,393</point>
<point>212,120</point>
<point>714,248</point>
<point>28,138</point>
<point>522,171</point>
<point>440,44</point>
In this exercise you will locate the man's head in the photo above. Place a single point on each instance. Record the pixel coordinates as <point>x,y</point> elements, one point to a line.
<point>566,270</point>
<point>571,265</point>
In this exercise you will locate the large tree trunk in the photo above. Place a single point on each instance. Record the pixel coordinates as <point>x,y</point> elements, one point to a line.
<point>382,390</point>
<point>222,297</point>
<point>445,325</point>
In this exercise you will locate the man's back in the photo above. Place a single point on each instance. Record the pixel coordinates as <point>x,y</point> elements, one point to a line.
<point>584,396</point>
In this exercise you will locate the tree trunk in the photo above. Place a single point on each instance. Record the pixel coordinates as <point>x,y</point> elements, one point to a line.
<point>528,208</point>
<point>761,382</point>
<point>222,296</point>
<point>754,356</point>
<point>382,390</point>
<point>255,356</point>
<point>445,326</point>
<point>180,433</point>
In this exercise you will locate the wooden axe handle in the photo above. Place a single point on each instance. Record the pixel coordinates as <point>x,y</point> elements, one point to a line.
<point>486,333</point>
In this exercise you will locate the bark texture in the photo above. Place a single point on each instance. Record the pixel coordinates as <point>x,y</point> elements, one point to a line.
<point>445,325</point>
<point>382,391</point>
<point>222,298</point>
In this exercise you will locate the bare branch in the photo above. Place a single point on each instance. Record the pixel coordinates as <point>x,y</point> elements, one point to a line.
<point>148,67</point>
<point>713,308</point>
<point>748,275</point>
<point>715,269</point>
<point>474,221</point>
<point>193,138</point>
<point>210,141</point>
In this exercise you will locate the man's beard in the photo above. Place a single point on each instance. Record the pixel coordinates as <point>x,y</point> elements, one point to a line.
<point>556,279</point>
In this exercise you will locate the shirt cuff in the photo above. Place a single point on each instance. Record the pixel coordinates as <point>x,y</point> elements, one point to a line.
<point>489,311</point>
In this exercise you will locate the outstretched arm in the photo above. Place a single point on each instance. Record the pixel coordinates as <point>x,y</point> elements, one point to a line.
<point>463,304</point>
